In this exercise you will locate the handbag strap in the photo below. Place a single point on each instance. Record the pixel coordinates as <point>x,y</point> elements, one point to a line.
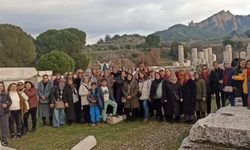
<point>142,85</point>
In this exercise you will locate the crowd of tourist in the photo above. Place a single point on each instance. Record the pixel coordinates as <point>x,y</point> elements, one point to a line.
<point>88,96</point>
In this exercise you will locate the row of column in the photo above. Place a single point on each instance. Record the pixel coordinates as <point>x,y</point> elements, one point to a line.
<point>206,55</point>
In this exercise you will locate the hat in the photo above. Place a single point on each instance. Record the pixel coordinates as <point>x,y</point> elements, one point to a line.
<point>88,70</point>
<point>62,80</point>
<point>161,69</point>
<point>93,83</point>
<point>21,81</point>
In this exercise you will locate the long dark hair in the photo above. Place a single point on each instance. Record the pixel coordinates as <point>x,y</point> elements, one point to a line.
<point>145,75</point>
<point>237,67</point>
<point>8,90</point>
<point>1,82</point>
<point>32,85</point>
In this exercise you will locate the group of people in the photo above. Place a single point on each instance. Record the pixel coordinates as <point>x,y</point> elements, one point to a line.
<point>86,97</point>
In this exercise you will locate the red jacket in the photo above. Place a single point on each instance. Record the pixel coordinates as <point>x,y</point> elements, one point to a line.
<point>33,102</point>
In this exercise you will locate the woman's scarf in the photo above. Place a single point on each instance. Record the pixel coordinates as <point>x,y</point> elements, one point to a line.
<point>189,77</point>
<point>204,75</point>
<point>141,80</point>
<point>158,81</point>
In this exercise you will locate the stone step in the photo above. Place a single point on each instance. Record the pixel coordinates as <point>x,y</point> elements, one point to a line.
<point>115,120</point>
<point>86,144</point>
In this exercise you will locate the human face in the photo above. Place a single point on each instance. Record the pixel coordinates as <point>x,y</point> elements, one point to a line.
<point>186,76</point>
<point>28,86</point>
<point>70,75</point>
<point>243,64</point>
<point>88,74</point>
<point>94,71</point>
<point>104,83</point>
<point>248,65</point>
<point>20,85</point>
<point>123,68</point>
<point>136,76</point>
<point>162,72</point>
<point>58,76</point>
<point>106,73</point>
<point>129,71</point>
<point>167,72</point>
<point>196,76</point>
<point>204,69</point>
<point>114,70</point>
<point>13,88</point>
<point>141,67</point>
<point>152,74</point>
<point>237,56</point>
<point>80,74</point>
<point>61,83</point>
<point>129,77</point>
<point>141,75</point>
<point>70,82</point>
<point>226,65</point>
<point>86,80</point>
<point>133,68</point>
<point>157,76</point>
<point>45,79</point>
<point>1,87</point>
<point>93,87</point>
<point>123,74</point>
<point>216,65</point>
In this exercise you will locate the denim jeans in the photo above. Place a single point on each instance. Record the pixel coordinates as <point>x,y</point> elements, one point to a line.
<point>145,108</point>
<point>58,117</point>
<point>95,113</point>
<point>231,98</point>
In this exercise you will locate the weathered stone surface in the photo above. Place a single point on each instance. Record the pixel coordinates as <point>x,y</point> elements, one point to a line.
<point>243,55</point>
<point>181,54</point>
<point>14,74</point>
<point>194,54</point>
<point>201,55</point>
<point>48,72</point>
<point>6,148</point>
<point>86,144</point>
<point>228,126</point>
<point>206,55</point>
<point>114,120</point>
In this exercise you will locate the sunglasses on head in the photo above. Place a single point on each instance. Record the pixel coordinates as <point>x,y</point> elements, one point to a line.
<point>20,84</point>
<point>161,71</point>
<point>80,72</point>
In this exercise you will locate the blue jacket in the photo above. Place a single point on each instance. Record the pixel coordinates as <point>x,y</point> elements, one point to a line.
<point>231,82</point>
<point>100,97</point>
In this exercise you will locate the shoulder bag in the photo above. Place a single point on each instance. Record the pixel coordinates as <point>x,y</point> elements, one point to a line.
<point>228,89</point>
<point>59,105</point>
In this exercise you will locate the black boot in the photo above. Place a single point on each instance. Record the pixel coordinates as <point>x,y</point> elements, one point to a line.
<point>198,114</point>
<point>33,129</point>
<point>50,120</point>
<point>44,121</point>
<point>24,131</point>
<point>203,114</point>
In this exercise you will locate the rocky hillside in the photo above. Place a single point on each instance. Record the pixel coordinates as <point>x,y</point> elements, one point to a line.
<point>217,26</point>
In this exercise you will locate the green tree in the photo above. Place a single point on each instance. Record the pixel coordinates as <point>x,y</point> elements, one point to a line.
<point>247,33</point>
<point>107,38</point>
<point>174,50</point>
<point>57,61</point>
<point>66,40</point>
<point>100,41</point>
<point>153,40</point>
<point>16,47</point>
<point>228,41</point>
<point>81,61</point>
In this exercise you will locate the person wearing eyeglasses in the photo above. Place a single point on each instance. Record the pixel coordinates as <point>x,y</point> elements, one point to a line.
<point>77,105</point>
<point>206,77</point>
<point>228,82</point>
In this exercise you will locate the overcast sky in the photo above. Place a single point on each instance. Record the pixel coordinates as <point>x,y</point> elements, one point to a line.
<point>100,17</point>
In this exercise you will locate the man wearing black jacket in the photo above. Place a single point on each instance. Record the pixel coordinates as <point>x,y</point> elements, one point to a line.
<point>215,76</point>
<point>235,60</point>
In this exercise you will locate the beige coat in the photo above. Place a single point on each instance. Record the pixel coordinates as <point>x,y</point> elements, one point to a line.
<point>83,92</point>
<point>134,101</point>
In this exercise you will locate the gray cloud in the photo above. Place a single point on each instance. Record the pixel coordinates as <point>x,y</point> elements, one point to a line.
<point>100,17</point>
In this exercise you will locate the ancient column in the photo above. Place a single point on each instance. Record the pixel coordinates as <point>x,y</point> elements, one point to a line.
<point>243,55</point>
<point>181,54</point>
<point>194,54</point>
<point>201,55</point>
<point>214,57</point>
<point>248,51</point>
<point>206,54</point>
<point>225,56</point>
<point>230,52</point>
<point>210,53</point>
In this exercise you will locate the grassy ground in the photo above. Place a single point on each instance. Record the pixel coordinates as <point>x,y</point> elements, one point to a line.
<point>152,135</point>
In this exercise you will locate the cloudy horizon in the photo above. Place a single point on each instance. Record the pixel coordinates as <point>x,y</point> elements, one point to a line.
<point>100,17</point>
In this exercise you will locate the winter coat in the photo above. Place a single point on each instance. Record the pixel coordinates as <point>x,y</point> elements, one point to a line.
<point>31,93</point>
<point>23,105</point>
<point>189,97</point>
<point>92,98</point>
<point>68,98</point>
<point>208,83</point>
<point>234,62</point>
<point>4,99</point>
<point>118,90</point>
<point>231,82</point>
<point>100,97</point>
<point>200,87</point>
<point>215,76</point>
<point>144,87</point>
<point>244,79</point>
<point>173,105</point>
<point>134,101</point>
<point>154,88</point>
<point>83,92</point>
<point>44,108</point>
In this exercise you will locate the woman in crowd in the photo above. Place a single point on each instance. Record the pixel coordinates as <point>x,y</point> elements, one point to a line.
<point>124,69</point>
<point>57,79</point>
<point>65,76</point>
<point>189,99</point>
<point>130,89</point>
<point>129,71</point>
<point>206,77</point>
<point>70,76</point>
<point>96,75</point>
<point>71,95</point>
<point>45,93</point>
<point>17,108</point>
<point>167,74</point>
<point>84,92</point>
<point>240,67</point>
<point>172,97</point>
<point>156,95</point>
<point>5,103</point>
<point>136,77</point>
<point>144,89</point>
<point>30,91</point>
<point>77,104</point>
<point>59,109</point>
<point>201,94</point>
<point>118,92</point>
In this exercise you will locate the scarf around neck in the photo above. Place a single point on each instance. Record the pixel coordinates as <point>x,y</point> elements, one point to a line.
<point>189,77</point>
<point>204,75</point>
<point>158,81</point>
